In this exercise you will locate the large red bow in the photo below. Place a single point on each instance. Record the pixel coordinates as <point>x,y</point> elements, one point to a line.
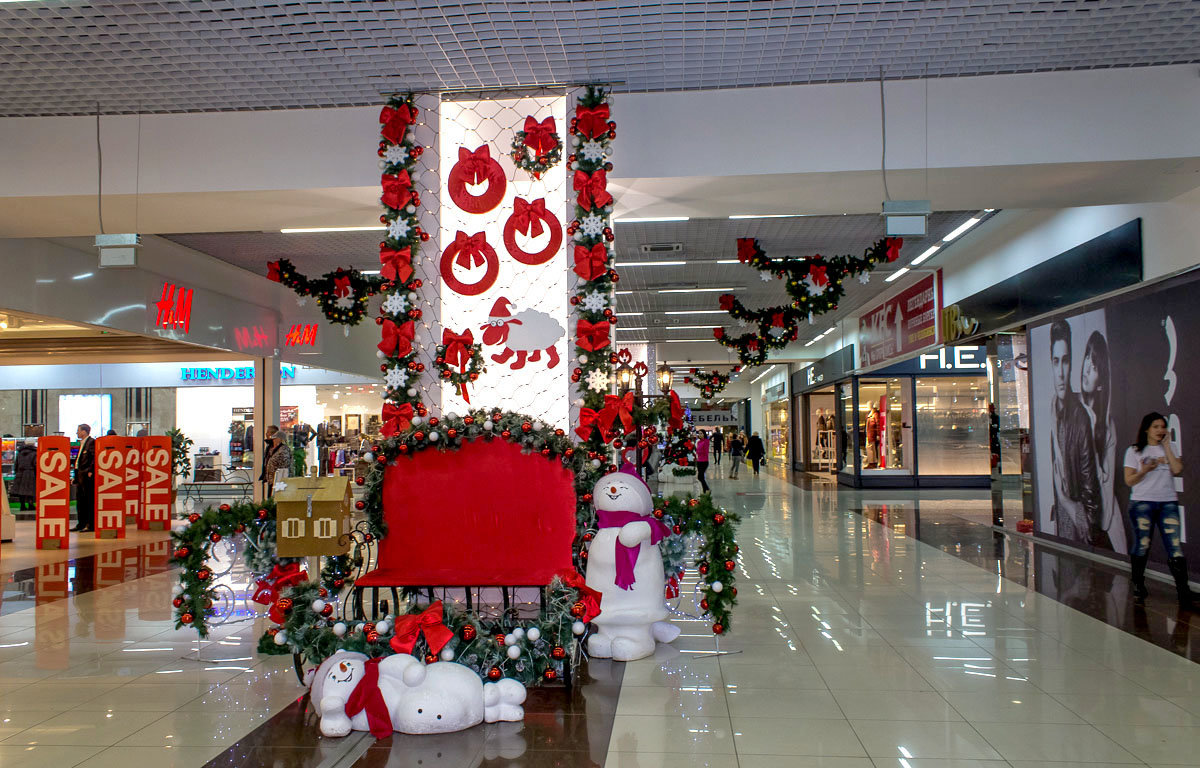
<point>718,333</point>
<point>616,409</point>
<point>893,245</point>
<point>397,189</point>
<point>591,263</point>
<point>591,336</point>
<point>675,420</point>
<point>470,249</point>
<point>528,216</point>
<point>477,164</point>
<point>539,136</point>
<point>282,576</point>
<point>395,122</point>
<point>367,695</point>
<point>341,286</point>
<point>397,339</point>
<point>587,422</point>
<point>458,352</point>
<point>395,265</point>
<point>592,189</point>
<point>592,121</point>
<point>588,596</point>
<point>410,626</point>
<point>726,301</point>
<point>817,273</point>
<point>746,248</point>
<point>396,418</point>
<point>273,271</point>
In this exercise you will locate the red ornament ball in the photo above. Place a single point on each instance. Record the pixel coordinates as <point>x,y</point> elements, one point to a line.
<point>360,480</point>
<point>181,553</point>
<point>718,628</point>
<point>703,568</point>
<point>372,637</point>
<point>262,514</point>
<point>730,565</point>
<point>186,618</point>
<point>214,537</point>
<point>339,583</point>
<point>469,420</point>
<point>733,591</point>
<point>704,604</point>
<point>494,674</point>
<point>693,503</point>
<point>360,505</point>
<point>676,529</point>
<point>323,592</point>
<point>203,574</point>
<point>718,518</point>
<point>499,638</point>
<point>327,611</point>
<point>550,674</point>
<point>506,434</point>
<point>177,602</point>
<point>418,436</point>
<point>558,652</point>
<point>526,427</point>
<point>433,421</point>
<point>468,632</point>
<point>192,518</point>
<point>589,536</point>
<point>451,433</point>
<point>430,658</point>
<point>224,507</point>
<point>658,514</point>
<point>578,609</point>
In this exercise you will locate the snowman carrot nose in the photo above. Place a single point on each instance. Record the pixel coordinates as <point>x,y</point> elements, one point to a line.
<point>342,665</point>
<point>612,489</point>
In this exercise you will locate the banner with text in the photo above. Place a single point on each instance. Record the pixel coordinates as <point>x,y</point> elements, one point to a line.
<point>53,492</point>
<point>110,487</point>
<point>156,483</point>
<point>901,325</point>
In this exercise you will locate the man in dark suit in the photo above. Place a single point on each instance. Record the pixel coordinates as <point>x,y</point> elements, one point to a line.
<point>85,480</point>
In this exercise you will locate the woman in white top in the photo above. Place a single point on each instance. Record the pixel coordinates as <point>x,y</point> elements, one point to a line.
<point>1150,469</point>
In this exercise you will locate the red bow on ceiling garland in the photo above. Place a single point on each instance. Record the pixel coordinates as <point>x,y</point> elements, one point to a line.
<point>592,189</point>
<point>458,352</point>
<point>367,696</point>
<point>592,121</point>
<point>591,263</point>
<point>470,249</point>
<point>675,420</point>
<point>395,265</point>
<point>746,247</point>
<point>718,333</point>
<point>777,320</point>
<point>726,301</point>
<point>395,122</point>
<point>397,189</point>
<point>893,246</point>
<point>528,216</point>
<point>341,286</point>
<point>273,271</point>
<point>539,136</point>
<point>397,339</point>
<point>818,274</point>
<point>396,418</point>
<point>429,621</point>
<point>589,597</point>
<point>591,336</point>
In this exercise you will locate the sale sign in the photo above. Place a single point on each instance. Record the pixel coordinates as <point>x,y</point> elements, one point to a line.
<point>133,478</point>
<point>110,487</point>
<point>53,492</point>
<point>156,483</point>
<point>901,325</point>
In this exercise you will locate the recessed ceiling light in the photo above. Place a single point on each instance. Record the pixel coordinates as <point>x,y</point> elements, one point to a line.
<point>926,255</point>
<point>310,230</point>
<point>687,327</point>
<point>684,341</point>
<point>368,271</point>
<point>632,314</point>
<point>771,215</point>
<point>649,264</point>
<point>728,261</point>
<point>961,228</point>
<point>895,275</point>
<point>635,328</point>
<point>701,290</point>
<point>696,312</point>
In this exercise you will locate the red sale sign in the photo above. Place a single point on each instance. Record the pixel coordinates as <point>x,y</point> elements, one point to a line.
<point>110,487</point>
<point>53,492</point>
<point>133,478</point>
<point>901,325</point>
<point>156,483</point>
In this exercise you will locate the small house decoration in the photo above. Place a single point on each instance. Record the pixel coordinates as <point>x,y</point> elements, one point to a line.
<point>313,516</point>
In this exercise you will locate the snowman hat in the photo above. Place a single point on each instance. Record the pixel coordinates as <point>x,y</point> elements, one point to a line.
<point>502,308</point>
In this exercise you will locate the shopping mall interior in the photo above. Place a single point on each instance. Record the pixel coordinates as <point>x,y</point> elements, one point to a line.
<point>599,384</point>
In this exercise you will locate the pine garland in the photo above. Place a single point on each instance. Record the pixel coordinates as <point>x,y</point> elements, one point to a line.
<point>709,384</point>
<point>715,560</point>
<point>357,287</point>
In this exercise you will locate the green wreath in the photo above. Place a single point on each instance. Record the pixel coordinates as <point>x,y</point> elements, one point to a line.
<point>464,373</point>
<point>330,289</point>
<point>529,161</point>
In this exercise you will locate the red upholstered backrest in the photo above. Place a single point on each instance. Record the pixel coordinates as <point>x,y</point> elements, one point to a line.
<point>483,515</point>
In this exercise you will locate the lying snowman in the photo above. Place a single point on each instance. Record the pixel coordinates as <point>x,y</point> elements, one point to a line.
<point>401,693</point>
<point>625,566</point>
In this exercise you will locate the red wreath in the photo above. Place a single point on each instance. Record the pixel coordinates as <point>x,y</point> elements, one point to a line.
<point>474,167</point>
<point>469,251</point>
<point>528,218</point>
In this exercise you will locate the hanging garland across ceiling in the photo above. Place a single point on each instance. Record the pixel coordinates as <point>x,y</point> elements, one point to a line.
<point>814,284</point>
<point>342,293</point>
<point>709,384</point>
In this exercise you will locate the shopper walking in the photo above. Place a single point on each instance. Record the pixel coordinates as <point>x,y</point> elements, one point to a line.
<point>718,440</point>
<point>277,456</point>
<point>702,446</point>
<point>736,450</point>
<point>25,476</point>
<point>85,480</point>
<point>755,452</point>
<point>1150,470</point>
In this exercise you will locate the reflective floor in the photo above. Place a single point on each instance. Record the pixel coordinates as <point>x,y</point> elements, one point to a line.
<point>872,629</point>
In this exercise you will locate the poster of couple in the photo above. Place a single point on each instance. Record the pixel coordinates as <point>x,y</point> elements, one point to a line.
<point>1094,373</point>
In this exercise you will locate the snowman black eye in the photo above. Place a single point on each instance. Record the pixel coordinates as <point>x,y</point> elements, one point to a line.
<point>419,711</point>
<point>439,717</point>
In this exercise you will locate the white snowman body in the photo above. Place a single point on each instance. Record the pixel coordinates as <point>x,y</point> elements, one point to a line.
<point>630,620</point>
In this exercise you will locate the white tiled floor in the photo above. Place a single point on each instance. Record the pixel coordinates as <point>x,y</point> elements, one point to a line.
<point>854,646</point>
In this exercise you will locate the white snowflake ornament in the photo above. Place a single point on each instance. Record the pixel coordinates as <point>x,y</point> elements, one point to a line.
<point>395,304</point>
<point>595,302</point>
<point>398,229</point>
<point>597,380</point>
<point>592,225</point>
<point>396,377</point>
<point>396,154</point>
<point>742,323</point>
<point>812,286</point>
<point>765,276</point>
<point>592,151</point>
<point>864,278</point>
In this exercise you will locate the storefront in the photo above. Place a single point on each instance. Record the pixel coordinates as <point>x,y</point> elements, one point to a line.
<point>815,407</point>
<point>773,411</point>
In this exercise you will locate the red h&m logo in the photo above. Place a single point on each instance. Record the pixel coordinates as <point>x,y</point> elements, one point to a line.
<point>174,308</point>
<point>302,335</point>
<point>251,337</point>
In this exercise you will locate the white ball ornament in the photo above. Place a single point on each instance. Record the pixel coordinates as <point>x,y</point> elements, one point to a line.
<point>510,639</point>
<point>281,637</point>
<point>717,586</point>
<point>318,605</point>
<point>451,416</point>
<point>412,392</point>
<point>518,633</point>
<point>487,425</point>
<point>379,354</point>
<point>534,634</point>
<point>412,296</point>
<point>382,627</point>
<point>417,420</point>
<point>339,629</point>
<point>447,654</point>
<point>433,437</point>
<point>537,426</point>
<point>368,456</point>
<point>582,359</point>
<point>578,234</point>
<point>596,463</point>
<point>411,208</point>
<point>578,628</point>
<point>514,652</point>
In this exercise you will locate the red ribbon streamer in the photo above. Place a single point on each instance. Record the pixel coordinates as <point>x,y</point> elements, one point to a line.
<point>395,122</point>
<point>397,189</point>
<point>395,265</point>
<point>367,695</point>
<point>592,121</point>
<point>592,189</point>
<point>397,339</point>
<point>591,263</point>
<point>539,136</point>
<point>588,596</point>
<point>429,621</point>
<point>396,418</point>
<point>528,216</point>
<point>591,336</point>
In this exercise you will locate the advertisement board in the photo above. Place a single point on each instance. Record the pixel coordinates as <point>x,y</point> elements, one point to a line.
<point>53,492</point>
<point>900,325</point>
<point>156,483</point>
<point>110,487</point>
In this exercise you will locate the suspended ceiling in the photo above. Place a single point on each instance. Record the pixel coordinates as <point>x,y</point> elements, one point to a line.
<point>63,57</point>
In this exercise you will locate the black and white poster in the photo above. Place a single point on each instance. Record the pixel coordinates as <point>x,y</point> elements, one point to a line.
<point>1093,375</point>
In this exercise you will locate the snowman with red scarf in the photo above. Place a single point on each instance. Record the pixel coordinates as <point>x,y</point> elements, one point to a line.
<point>625,566</point>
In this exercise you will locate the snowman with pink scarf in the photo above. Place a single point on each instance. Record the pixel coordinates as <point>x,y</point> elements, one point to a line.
<point>625,566</point>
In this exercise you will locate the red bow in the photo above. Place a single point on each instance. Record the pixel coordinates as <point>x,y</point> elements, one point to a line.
<point>588,596</point>
<point>718,333</point>
<point>616,408</point>
<point>777,320</point>
<point>591,336</point>
<point>470,249</point>
<point>477,164</point>
<point>396,418</point>
<point>458,352</point>
<point>675,420</point>
<point>587,422</point>
<point>341,286</point>
<point>397,339</point>
<point>397,189</point>
<point>893,245</point>
<point>281,577</point>
<point>539,136</point>
<point>592,189</point>
<point>395,265</point>
<point>410,626</point>
<point>727,301</point>
<point>746,248</point>
<point>592,121</point>
<point>367,695</point>
<point>817,273</point>
<point>273,271</point>
<point>591,264</point>
<point>395,122</point>
<point>528,216</point>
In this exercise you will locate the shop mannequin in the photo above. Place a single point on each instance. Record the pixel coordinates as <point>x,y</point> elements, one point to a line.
<point>873,437</point>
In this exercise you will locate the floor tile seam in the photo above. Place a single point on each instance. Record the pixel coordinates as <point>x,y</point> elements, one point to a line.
<point>1083,717</point>
<point>1103,737</point>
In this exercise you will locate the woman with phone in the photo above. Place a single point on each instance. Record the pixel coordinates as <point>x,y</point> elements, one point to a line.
<point>1150,469</point>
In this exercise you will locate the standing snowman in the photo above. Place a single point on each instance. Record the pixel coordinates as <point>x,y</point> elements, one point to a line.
<point>625,566</point>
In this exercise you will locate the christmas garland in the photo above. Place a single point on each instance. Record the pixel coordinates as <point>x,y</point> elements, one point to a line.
<point>330,289</point>
<point>709,384</point>
<point>715,559</point>
<point>815,286</point>
<point>537,148</point>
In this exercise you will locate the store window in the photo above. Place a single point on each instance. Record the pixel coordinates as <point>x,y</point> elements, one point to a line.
<point>952,425</point>
<point>884,425</point>
<point>777,431</point>
<point>93,410</point>
<point>846,420</point>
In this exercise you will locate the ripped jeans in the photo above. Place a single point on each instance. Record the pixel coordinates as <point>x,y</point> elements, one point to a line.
<point>1144,515</point>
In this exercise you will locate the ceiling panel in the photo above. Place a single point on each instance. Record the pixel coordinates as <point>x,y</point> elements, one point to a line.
<point>64,57</point>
